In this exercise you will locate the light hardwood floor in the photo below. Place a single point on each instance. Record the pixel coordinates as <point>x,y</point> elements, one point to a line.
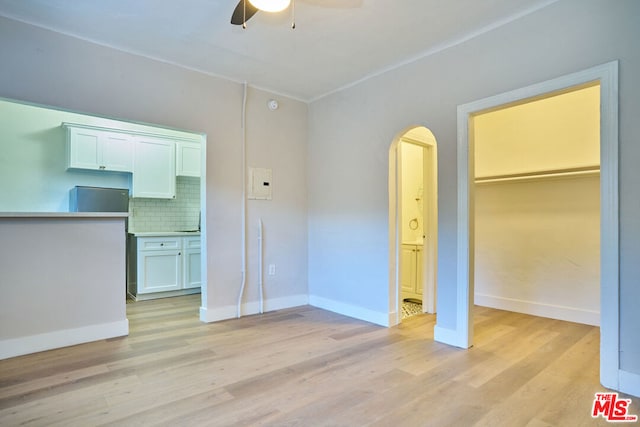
<point>308,367</point>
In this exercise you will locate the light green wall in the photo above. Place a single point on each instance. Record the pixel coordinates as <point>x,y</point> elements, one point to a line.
<point>33,175</point>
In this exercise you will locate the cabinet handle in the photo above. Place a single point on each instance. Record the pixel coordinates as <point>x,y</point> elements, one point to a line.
<point>179,253</point>
<point>161,244</point>
<point>103,167</point>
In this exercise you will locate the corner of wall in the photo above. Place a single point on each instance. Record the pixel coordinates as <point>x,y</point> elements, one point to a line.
<point>379,318</point>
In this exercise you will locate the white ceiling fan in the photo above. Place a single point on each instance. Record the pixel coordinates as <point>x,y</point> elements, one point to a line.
<point>247,8</point>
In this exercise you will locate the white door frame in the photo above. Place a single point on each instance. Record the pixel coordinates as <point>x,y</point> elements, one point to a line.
<point>204,282</point>
<point>430,212</point>
<point>607,76</point>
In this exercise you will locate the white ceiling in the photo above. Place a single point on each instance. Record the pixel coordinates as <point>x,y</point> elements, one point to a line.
<point>335,43</point>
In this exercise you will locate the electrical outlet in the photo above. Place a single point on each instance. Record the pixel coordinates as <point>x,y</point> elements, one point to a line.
<point>272,269</point>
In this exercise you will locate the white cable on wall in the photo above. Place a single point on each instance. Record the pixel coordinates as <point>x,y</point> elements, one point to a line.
<point>261,265</point>
<point>244,197</point>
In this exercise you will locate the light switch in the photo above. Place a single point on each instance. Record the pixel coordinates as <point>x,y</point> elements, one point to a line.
<point>260,184</point>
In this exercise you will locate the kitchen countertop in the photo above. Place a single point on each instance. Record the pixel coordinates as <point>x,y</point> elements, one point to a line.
<point>64,214</point>
<point>164,233</point>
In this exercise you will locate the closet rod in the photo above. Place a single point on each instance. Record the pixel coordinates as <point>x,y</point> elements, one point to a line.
<point>530,176</point>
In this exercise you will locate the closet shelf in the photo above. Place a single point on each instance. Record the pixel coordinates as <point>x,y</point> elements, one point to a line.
<point>541,175</point>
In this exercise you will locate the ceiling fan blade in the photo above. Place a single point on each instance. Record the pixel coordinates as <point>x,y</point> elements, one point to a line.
<point>243,12</point>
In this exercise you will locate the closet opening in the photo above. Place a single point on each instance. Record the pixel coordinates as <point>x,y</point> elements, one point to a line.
<point>536,206</point>
<point>605,77</point>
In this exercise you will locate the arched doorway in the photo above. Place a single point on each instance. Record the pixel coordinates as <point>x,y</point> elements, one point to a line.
<point>413,220</point>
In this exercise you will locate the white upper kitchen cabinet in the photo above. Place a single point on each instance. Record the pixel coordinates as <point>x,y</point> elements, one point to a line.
<point>154,168</point>
<point>187,158</point>
<point>117,152</point>
<point>97,149</point>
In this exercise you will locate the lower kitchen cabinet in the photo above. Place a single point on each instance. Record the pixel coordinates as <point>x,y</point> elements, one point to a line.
<point>191,262</point>
<point>159,270</point>
<point>163,266</point>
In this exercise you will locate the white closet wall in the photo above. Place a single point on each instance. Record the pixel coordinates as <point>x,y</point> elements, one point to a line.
<point>537,240</point>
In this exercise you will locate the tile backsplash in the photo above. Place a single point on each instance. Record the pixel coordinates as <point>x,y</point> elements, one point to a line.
<point>179,214</point>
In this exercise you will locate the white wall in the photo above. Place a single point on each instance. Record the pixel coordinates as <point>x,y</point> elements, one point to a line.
<point>412,159</point>
<point>537,247</point>
<point>350,133</point>
<point>52,69</point>
<point>558,132</point>
<point>62,282</point>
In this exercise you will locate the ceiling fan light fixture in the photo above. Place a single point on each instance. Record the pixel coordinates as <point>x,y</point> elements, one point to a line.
<point>271,5</point>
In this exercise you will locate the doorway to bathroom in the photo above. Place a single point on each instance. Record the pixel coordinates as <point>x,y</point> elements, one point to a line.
<point>413,224</point>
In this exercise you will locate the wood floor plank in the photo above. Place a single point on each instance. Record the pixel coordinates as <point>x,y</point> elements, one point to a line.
<point>24,388</point>
<point>309,367</point>
<point>508,350</point>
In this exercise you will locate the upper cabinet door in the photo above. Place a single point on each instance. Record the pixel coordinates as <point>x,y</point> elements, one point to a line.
<point>117,152</point>
<point>154,173</point>
<point>83,148</point>
<point>99,150</point>
<point>188,159</point>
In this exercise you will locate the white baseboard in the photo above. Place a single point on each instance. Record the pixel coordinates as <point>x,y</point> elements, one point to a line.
<point>449,337</point>
<point>560,312</point>
<point>394,319</point>
<point>63,338</point>
<point>379,318</point>
<point>217,314</point>
<point>164,294</point>
<point>630,384</point>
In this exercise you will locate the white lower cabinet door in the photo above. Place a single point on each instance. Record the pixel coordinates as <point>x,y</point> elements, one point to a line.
<point>419,272</point>
<point>192,269</point>
<point>159,271</point>
<point>191,262</point>
<point>408,269</point>
<point>411,272</point>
